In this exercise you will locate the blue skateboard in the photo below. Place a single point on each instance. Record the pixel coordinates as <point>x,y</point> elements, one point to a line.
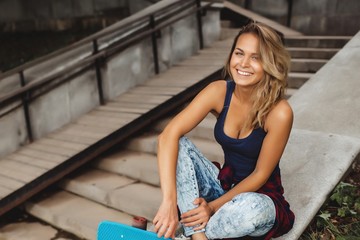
<point>108,230</point>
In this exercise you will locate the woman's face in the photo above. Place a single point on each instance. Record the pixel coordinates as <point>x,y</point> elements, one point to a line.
<point>245,63</point>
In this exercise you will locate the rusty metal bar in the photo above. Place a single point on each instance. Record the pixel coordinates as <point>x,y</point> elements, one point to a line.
<point>25,97</point>
<point>289,12</point>
<point>98,73</point>
<point>199,23</point>
<point>154,44</point>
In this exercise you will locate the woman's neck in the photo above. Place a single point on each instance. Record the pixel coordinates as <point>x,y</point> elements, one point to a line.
<point>244,96</point>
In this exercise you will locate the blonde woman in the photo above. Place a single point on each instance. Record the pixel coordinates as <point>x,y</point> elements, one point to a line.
<point>244,197</point>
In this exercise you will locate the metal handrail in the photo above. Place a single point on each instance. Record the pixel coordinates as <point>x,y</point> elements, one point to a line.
<point>148,23</point>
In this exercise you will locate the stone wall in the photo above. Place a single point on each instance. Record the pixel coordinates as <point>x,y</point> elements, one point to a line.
<point>320,17</point>
<point>24,15</point>
<point>328,17</point>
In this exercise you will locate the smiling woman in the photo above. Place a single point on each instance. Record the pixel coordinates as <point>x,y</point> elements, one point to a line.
<point>245,196</point>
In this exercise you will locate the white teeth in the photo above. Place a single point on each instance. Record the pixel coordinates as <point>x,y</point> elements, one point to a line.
<point>243,73</point>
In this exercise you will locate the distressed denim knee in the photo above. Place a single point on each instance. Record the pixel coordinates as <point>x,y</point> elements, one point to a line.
<point>248,213</point>
<point>196,177</point>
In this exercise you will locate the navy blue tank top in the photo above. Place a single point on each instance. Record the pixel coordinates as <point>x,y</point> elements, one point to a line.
<point>240,154</point>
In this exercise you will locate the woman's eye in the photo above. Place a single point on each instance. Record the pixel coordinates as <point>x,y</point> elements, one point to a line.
<point>255,57</point>
<point>239,53</point>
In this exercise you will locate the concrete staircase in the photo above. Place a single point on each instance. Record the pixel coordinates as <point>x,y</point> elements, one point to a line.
<point>124,182</point>
<point>308,55</point>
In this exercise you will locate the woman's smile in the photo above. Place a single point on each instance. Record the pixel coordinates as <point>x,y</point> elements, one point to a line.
<point>243,73</point>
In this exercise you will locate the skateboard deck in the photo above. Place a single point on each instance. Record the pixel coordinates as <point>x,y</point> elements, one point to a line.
<point>108,230</point>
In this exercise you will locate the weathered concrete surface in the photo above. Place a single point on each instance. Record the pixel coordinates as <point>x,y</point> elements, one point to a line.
<point>329,17</point>
<point>136,165</point>
<point>330,101</point>
<point>312,165</point>
<point>62,210</point>
<point>27,231</point>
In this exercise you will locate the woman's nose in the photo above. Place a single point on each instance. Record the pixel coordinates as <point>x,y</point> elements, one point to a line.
<point>244,62</point>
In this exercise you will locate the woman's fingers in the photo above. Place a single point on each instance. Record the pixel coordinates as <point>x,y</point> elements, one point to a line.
<point>162,230</point>
<point>195,220</point>
<point>203,225</point>
<point>166,220</point>
<point>166,230</point>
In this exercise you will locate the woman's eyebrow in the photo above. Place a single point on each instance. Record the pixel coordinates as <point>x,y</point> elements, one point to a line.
<point>239,49</point>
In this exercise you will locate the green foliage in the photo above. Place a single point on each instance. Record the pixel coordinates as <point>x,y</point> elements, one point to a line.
<point>339,219</point>
<point>347,199</point>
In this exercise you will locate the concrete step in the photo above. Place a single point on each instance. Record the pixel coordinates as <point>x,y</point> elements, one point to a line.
<point>317,41</point>
<point>136,165</point>
<point>205,129</point>
<point>312,53</point>
<point>290,92</point>
<point>28,231</point>
<point>306,65</point>
<point>115,191</point>
<point>297,79</point>
<point>74,214</point>
<point>148,143</point>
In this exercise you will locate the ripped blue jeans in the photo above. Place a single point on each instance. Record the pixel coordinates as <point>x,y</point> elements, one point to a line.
<point>248,213</point>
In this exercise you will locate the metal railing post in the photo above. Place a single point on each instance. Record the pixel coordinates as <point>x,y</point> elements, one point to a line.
<point>25,98</point>
<point>247,4</point>
<point>98,74</point>
<point>289,14</point>
<point>154,45</point>
<point>199,22</point>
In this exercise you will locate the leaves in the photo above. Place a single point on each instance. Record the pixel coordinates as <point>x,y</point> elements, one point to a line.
<point>339,219</point>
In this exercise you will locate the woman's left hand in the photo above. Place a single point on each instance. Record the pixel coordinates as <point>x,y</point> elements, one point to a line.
<point>199,216</point>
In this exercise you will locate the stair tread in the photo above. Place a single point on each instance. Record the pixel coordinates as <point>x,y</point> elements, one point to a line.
<point>312,49</point>
<point>75,214</point>
<point>309,60</point>
<point>118,192</point>
<point>136,165</point>
<point>301,74</point>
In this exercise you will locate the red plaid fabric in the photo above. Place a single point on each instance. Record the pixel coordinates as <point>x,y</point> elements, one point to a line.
<point>273,188</point>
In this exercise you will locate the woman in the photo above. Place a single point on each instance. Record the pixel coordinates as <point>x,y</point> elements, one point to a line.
<point>253,126</point>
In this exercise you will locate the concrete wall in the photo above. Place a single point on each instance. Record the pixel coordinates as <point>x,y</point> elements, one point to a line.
<point>24,15</point>
<point>320,17</point>
<point>328,17</point>
<point>122,71</point>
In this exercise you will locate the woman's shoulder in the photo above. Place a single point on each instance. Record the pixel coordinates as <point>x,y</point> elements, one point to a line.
<point>216,89</point>
<point>218,85</point>
<point>281,113</point>
<point>216,92</point>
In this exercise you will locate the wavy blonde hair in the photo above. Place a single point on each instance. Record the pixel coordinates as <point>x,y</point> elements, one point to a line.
<point>275,60</point>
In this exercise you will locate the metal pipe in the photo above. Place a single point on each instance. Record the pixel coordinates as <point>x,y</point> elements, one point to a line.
<point>25,97</point>
<point>289,15</point>
<point>98,73</point>
<point>199,22</point>
<point>154,44</point>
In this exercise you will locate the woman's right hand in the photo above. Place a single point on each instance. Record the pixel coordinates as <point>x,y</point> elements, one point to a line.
<point>166,220</point>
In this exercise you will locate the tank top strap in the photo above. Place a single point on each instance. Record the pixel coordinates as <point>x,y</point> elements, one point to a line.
<point>230,85</point>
